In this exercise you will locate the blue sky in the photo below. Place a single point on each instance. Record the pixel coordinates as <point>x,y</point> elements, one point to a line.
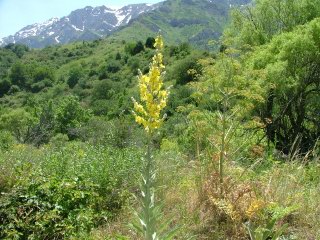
<point>16,14</point>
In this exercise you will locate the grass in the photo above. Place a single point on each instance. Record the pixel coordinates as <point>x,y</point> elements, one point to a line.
<point>289,189</point>
<point>181,188</point>
<point>88,182</point>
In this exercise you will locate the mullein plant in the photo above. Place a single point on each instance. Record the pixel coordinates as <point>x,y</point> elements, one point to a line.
<point>153,99</point>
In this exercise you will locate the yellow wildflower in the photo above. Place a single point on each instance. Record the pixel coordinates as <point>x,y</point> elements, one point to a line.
<point>255,207</point>
<point>158,43</point>
<point>153,98</point>
<point>225,206</point>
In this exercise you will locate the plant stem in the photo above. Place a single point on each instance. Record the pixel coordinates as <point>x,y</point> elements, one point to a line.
<point>222,150</point>
<point>147,198</point>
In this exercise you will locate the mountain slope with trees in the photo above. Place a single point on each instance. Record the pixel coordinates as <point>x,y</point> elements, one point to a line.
<point>190,21</point>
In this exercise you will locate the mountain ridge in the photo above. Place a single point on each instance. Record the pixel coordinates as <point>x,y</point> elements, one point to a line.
<point>88,23</point>
<point>193,21</point>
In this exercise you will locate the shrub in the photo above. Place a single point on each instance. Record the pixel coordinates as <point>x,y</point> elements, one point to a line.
<point>74,75</point>
<point>185,70</point>
<point>19,123</point>
<point>150,42</point>
<point>5,85</point>
<point>134,48</point>
<point>6,140</point>
<point>70,116</point>
<point>50,208</point>
<point>113,66</point>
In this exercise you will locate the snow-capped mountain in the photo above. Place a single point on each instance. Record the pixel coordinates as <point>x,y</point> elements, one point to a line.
<point>83,24</point>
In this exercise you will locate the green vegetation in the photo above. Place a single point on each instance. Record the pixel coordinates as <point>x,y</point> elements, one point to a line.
<point>237,156</point>
<point>196,22</point>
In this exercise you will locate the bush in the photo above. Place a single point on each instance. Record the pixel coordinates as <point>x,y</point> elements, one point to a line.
<point>63,191</point>
<point>5,85</point>
<point>185,70</point>
<point>59,140</point>
<point>70,116</point>
<point>6,140</point>
<point>150,42</point>
<point>49,208</point>
<point>74,75</point>
<point>113,66</point>
<point>19,123</point>
<point>134,48</point>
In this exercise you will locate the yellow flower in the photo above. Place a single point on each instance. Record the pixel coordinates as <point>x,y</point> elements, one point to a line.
<point>255,207</point>
<point>158,43</point>
<point>226,207</point>
<point>153,97</point>
<point>139,108</point>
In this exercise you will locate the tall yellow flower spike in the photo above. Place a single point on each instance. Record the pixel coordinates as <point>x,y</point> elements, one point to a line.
<point>152,95</point>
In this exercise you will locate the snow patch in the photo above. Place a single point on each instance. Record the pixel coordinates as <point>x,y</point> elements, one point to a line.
<point>77,29</point>
<point>120,17</point>
<point>37,28</point>
<point>125,13</point>
<point>56,38</point>
<point>129,18</point>
<point>109,10</point>
<point>50,33</point>
<point>49,22</point>
<point>28,32</point>
<point>109,24</point>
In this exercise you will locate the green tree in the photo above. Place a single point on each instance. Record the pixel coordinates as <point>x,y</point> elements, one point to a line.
<point>19,123</point>
<point>105,89</point>
<point>150,42</point>
<point>185,70</point>
<point>18,49</point>
<point>289,69</point>
<point>43,130</point>
<point>118,56</point>
<point>134,48</point>
<point>74,75</point>
<point>113,66</point>
<point>71,116</point>
<point>19,75</point>
<point>138,48</point>
<point>43,77</point>
<point>5,85</point>
<point>256,24</point>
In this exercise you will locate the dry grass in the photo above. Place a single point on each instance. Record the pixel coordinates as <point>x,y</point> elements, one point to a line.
<point>292,184</point>
<point>193,202</point>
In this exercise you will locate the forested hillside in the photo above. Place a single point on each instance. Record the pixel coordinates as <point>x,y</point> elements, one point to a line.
<point>202,137</point>
<point>197,22</point>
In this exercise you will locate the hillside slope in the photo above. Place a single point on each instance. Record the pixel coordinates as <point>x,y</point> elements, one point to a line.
<point>193,21</point>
